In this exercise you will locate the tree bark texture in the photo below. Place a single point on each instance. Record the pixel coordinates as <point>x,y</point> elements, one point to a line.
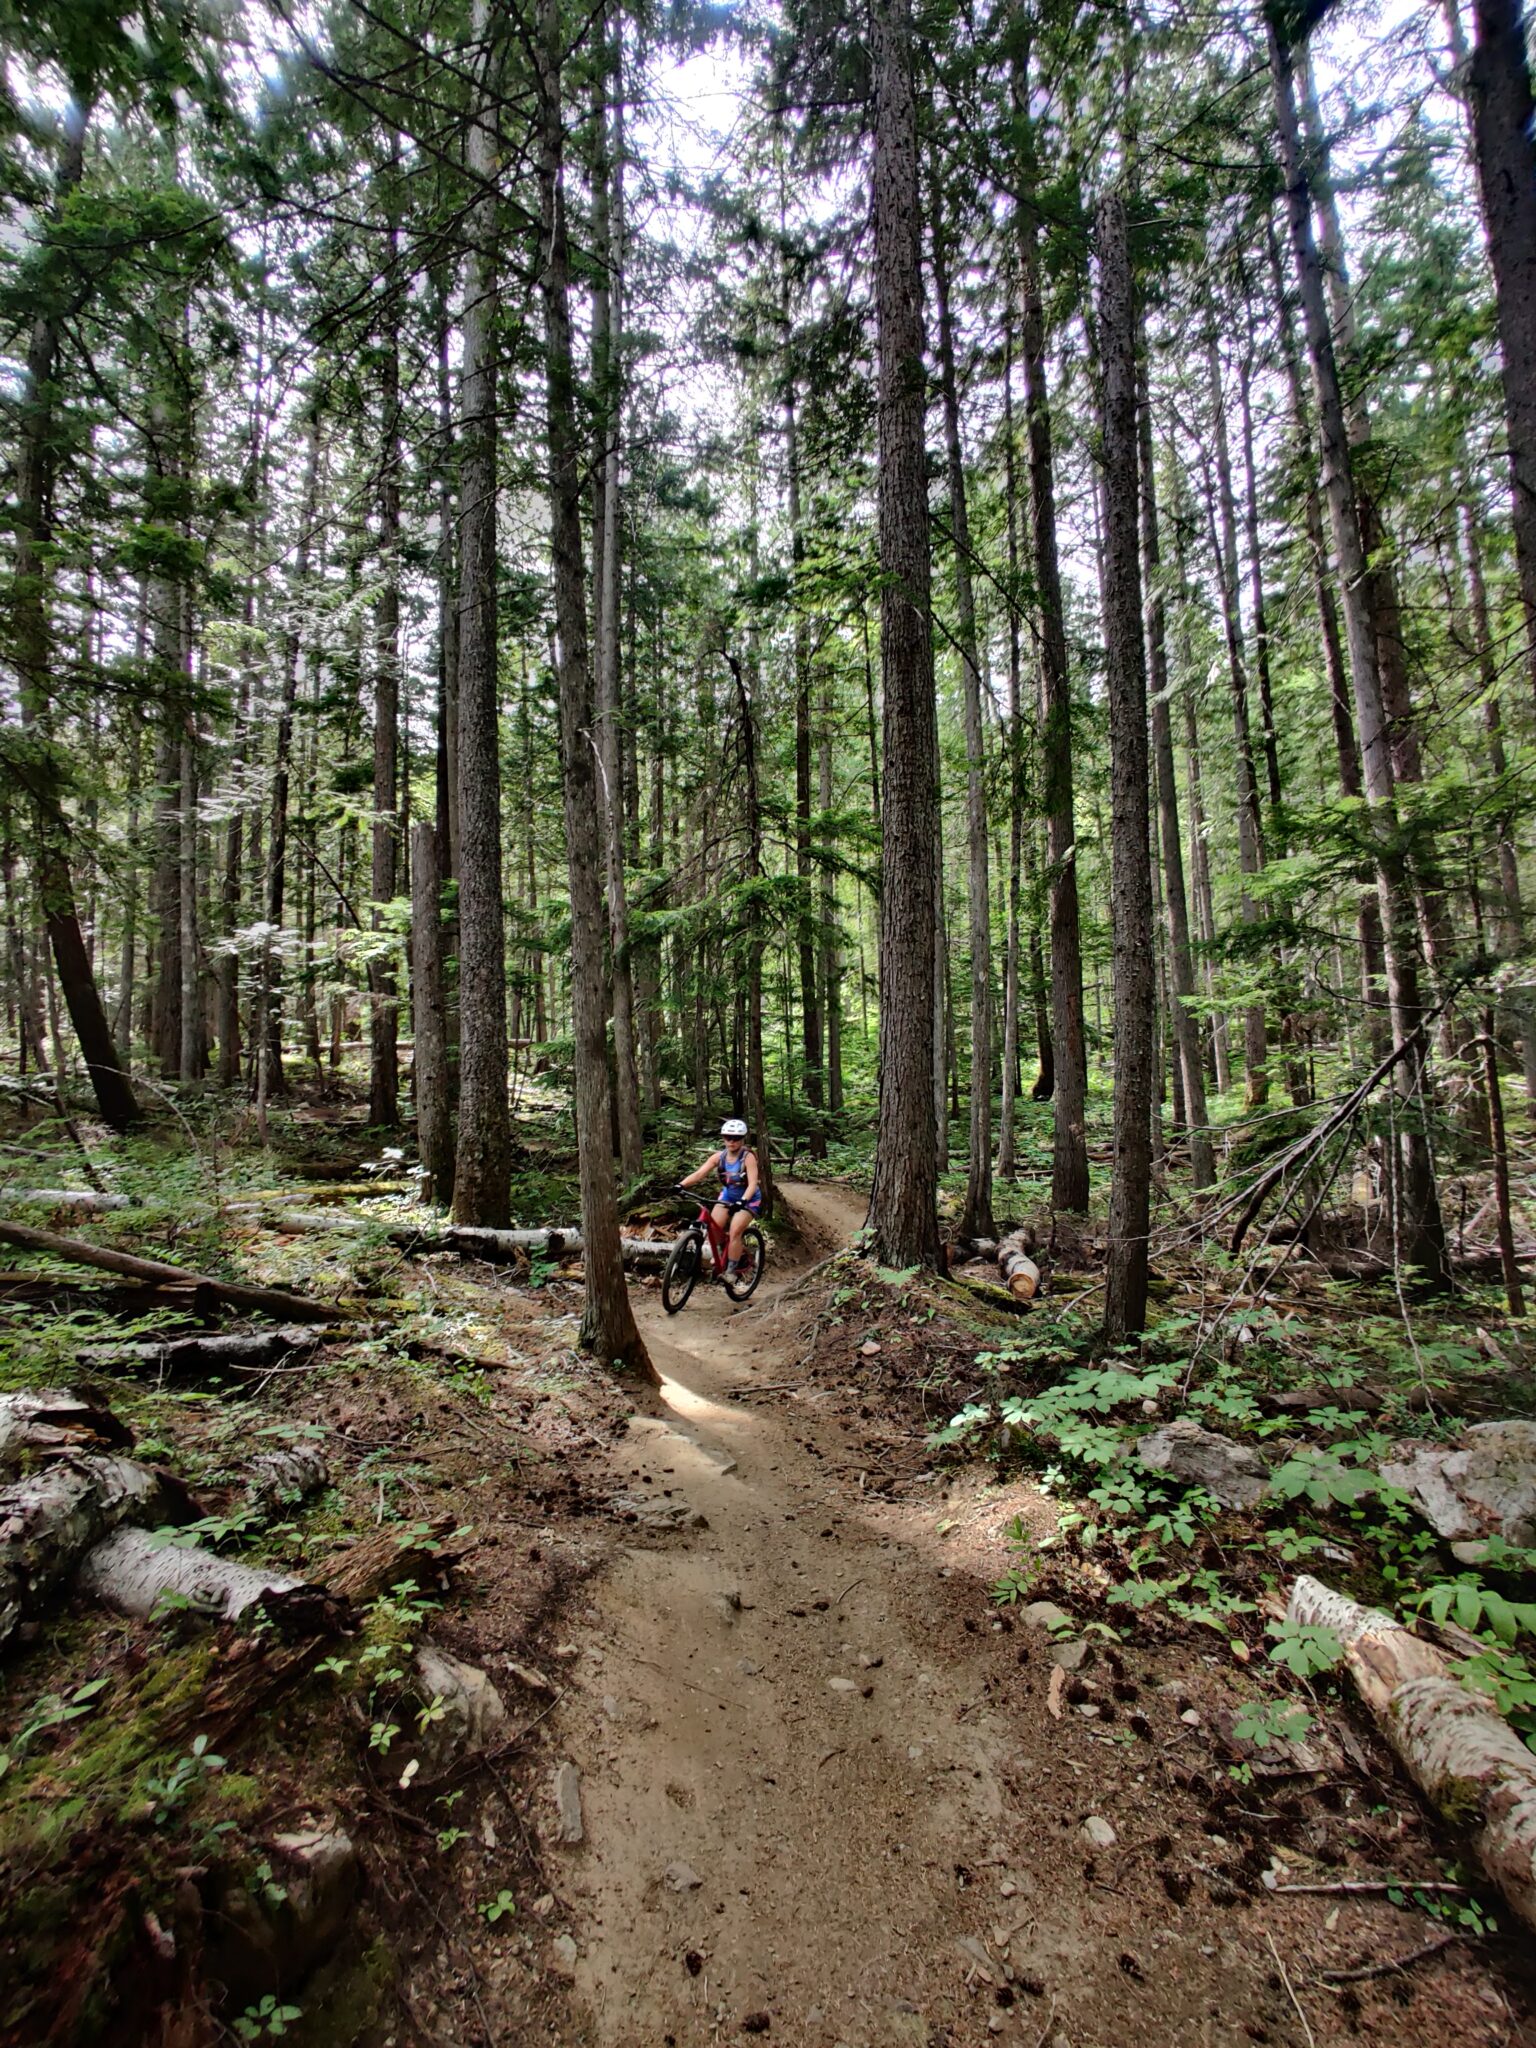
<point>429,1060</point>
<point>1130,844</point>
<point>608,1325</point>
<point>482,1176</point>
<point>903,1211</point>
<point>383,1059</point>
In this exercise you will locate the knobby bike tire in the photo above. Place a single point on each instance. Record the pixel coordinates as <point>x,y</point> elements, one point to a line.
<point>680,1272</point>
<point>742,1286</point>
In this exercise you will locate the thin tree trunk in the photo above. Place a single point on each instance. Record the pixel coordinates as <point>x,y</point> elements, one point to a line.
<point>429,1059</point>
<point>1007,1165</point>
<point>1185,1027</point>
<point>1125,1307</point>
<point>1499,89</point>
<point>32,650</point>
<point>482,1174</point>
<point>805,933</point>
<point>1069,1180</point>
<point>383,1060</point>
<point>608,1325</point>
<point>903,1210</point>
<point>976,1214</point>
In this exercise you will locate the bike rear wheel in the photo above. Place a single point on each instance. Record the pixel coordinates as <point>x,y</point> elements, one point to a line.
<point>680,1272</point>
<point>742,1285</point>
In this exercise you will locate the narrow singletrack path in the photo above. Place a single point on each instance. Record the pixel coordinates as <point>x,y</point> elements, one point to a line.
<point>804,1815</point>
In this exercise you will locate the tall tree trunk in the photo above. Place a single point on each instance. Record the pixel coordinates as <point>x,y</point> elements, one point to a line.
<point>976,1215</point>
<point>482,1174</point>
<point>383,1035</point>
<point>903,1209</point>
<point>1420,1231</point>
<point>1499,88</point>
<point>1250,830</point>
<point>831,943</point>
<point>1181,972</point>
<point>1007,1164</point>
<point>607,352</point>
<point>1125,1303</point>
<point>608,1324</point>
<point>1069,1178</point>
<point>805,930</point>
<point>32,650</point>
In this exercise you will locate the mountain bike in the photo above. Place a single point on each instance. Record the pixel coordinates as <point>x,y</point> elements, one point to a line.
<point>686,1258</point>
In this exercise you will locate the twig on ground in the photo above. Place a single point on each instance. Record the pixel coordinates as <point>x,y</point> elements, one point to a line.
<point>1306,2027</point>
<point>1389,1884</point>
<point>1392,1967</point>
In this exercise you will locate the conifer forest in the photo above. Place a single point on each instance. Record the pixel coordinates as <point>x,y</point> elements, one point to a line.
<point>949,587</point>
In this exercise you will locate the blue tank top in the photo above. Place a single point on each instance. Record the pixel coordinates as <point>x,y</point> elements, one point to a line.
<point>733,1175</point>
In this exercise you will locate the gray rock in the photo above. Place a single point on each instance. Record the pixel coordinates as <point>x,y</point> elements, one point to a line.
<point>1071,1656</point>
<point>1484,1486</point>
<point>1097,1832</point>
<point>842,1684</point>
<point>470,1714</point>
<point>1230,1472</point>
<point>563,1955</point>
<point>1045,1614</point>
<point>567,1792</point>
<point>681,1877</point>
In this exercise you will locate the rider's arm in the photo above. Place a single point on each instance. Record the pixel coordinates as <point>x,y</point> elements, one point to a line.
<point>751,1176</point>
<point>691,1180</point>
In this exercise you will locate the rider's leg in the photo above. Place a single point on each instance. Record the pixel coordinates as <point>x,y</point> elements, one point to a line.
<point>722,1215</point>
<point>739,1224</point>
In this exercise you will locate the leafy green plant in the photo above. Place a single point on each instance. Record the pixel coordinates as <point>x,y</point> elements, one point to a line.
<point>53,1710</point>
<point>492,1910</point>
<point>1303,1648</point>
<point>1477,1608</point>
<point>1262,1722</point>
<point>269,2020</point>
<point>172,1791</point>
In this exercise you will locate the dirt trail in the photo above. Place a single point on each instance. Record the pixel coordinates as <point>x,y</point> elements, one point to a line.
<point>799,1799</point>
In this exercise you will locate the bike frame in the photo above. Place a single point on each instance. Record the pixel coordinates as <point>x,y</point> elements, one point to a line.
<point>719,1239</point>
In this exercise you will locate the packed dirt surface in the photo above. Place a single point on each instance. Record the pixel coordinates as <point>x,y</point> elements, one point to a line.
<point>831,1797</point>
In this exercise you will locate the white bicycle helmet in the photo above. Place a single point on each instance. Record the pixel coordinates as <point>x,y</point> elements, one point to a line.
<point>733,1127</point>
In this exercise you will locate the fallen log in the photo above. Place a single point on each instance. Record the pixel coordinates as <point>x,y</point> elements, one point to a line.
<point>277,1478</point>
<point>994,1297</point>
<point>52,1419</point>
<point>1464,1757</point>
<point>49,1521</point>
<point>86,1200</point>
<point>513,1247</point>
<point>1019,1270</point>
<point>268,1300</point>
<point>134,1571</point>
<point>126,1298</point>
<point>253,1351</point>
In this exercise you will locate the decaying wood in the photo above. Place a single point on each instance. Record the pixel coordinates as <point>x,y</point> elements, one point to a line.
<point>1019,1271</point>
<point>133,1571</point>
<point>1463,1756</point>
<point>87,1201</point>
<point>278,1477</point>
<point>514,1247</point>
<point>49,1521</point>
<point>250,1352</point>
<point>268,1300</point>
<point>254,1674</point>
<point>124,1298</point>
<point>52,1419</point>
<point>994,1297</point>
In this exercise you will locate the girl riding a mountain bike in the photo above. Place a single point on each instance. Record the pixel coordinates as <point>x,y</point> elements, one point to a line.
<point>740,1197</point>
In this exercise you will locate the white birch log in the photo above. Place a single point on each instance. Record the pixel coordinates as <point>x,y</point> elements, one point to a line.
<point>1020,1273</point>
<point>277,1477</point>
<point>49,1521</point>
<point>84,1201</point>
<point>132,1571</point>
<point>250,1352</point>
<point>511,1247</point>
<point>1462,1755</point>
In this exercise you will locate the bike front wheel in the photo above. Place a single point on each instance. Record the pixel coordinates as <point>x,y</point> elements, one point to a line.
<point>680,1272</point>
<point>742,1284</point>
